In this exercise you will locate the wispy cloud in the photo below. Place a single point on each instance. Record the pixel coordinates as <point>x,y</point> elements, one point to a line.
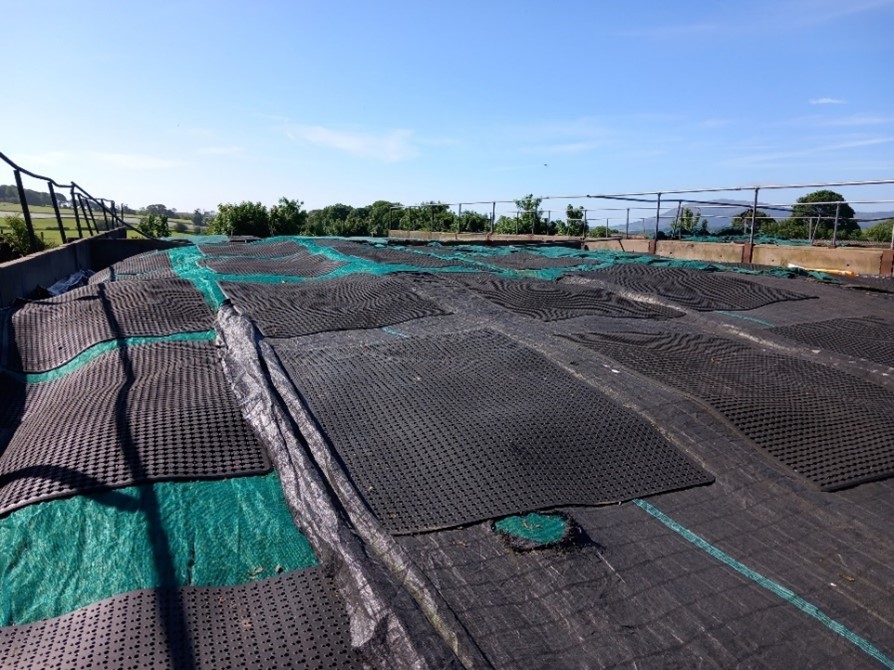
<point>134,161</point>
<point>219,151</point>
<point>828,101</point>
<point>773,158</point>
<point>390,146</point>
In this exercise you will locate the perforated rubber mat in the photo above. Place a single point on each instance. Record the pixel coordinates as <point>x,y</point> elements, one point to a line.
<point>552,301</point>
<point>44,334</point>
<point>871,338</point>
<point>696,289</point>
<point>148,265</point>
<point>260,249</point>
<point>346,303</point>
<point>302,264</point>
<point>446,430</point>
<point>525,260</point>
<point>171,416</point>
<point>831,427</point>
<point>390,256</point>
<point>295,620</point>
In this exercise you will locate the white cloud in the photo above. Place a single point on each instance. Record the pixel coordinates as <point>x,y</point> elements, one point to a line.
<point>390,146</point>
<point>828,101</point>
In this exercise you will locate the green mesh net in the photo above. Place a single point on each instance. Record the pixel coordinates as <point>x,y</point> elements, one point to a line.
<point>537,529</point>
<point>60,555</point>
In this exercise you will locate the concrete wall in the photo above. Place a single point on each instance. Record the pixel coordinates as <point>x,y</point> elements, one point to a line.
<point>700,251</point>
<point>861,261</point>
<point>631,246</point>
<point>20,278</point>
<point>477,238</point>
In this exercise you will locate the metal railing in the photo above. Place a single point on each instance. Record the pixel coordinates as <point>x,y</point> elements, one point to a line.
<point>82,204</point>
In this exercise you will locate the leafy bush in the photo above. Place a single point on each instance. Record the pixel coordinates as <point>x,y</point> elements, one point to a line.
<point>154,225</point>
<point>880,232</point>
<point>17,238</point>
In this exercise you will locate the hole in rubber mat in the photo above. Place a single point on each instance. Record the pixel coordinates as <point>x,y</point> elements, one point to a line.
<point>539,531</point>
<point>168,414</point>
<point>42,335</point>
<point>447,430</point>
<point>293,620</point>
<point>868,337</point>
<point>552,301</point>
<point>346,303</point>
<point>831,427</point>
<point>696,289</point>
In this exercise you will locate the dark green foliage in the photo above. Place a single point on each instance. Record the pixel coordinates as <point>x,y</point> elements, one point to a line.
<point>287,217</point>
<point>574,225</point>
<point>10,193</point>
<point>880,232</point>
<point>742,221</point>
<point>154,225</point>
<point>472,222</point>
<point>159,210</point>
<point>17,237</point>
<point>688,222</point>
<point>246,218</point>
<point>816,212</point>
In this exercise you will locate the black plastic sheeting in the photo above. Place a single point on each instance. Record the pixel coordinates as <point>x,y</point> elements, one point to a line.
<point>869,337</point>
<point>695,289</point>
<point>829,426</point>
<point>153,412</point>
<point>295,620</point>
<point>259,249</point>
<point>447,430</point>
<point>44,334</point>
<point>552,301</point>
<point>390,256</point>
<point>347,303</point>
<point>302,264</point>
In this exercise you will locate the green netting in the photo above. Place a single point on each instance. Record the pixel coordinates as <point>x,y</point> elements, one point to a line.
<point>538,529</point>
<point>60,555</point>
<point>185,263</point>
<point>98,350</point>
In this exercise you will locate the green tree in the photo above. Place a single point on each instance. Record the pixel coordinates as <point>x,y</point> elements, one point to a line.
<point>742,221</point>
<point>18,239</point>
<point>818,211</point>
<point>287,218</point>
<point>530,216</point>
<point>600,231</point>
<point>574,221</point>
<point>160,210</point>
<point>880,232</point>
<point>688,222</point>
<point>472,222</point>
<point>380,217</point>
<point>198,218</point>
<point>154,225</point>
<point>246,218</point>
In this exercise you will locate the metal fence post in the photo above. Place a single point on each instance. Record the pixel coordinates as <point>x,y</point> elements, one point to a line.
<point>493,218</point>
<point>56,209</point>
<point>26,213</point>
<point>753,216</point>
<point>74,206</point>
<point>627,226</point>
<point>657,216</point>
<point>835,225</point>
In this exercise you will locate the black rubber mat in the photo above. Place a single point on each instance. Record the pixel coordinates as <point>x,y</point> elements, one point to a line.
<point>302,264</point>
<point>696,289</point>
<point>296,620</point>
<point>525,260</point>
<point>389,256</point>
<point>259,249</point>
<point>446,430</point>
<point>148,265</point>
<point>171,416</point>
<point>44,334</point>
<point>347,303</point>
<point>871,338</point>
<point>552,301</point>
<point>831,427</point>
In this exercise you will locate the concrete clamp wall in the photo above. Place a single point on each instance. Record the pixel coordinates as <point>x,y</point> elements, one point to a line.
<point>861,261</point>
<point>716,252</point>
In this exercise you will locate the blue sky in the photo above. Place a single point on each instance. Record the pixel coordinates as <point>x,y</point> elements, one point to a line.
<point>195,103</point>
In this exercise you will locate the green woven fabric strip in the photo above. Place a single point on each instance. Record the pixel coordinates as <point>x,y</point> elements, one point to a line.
<point>536,528</point>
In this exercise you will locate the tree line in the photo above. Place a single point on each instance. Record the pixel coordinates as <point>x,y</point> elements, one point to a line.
<point>10,193</point>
